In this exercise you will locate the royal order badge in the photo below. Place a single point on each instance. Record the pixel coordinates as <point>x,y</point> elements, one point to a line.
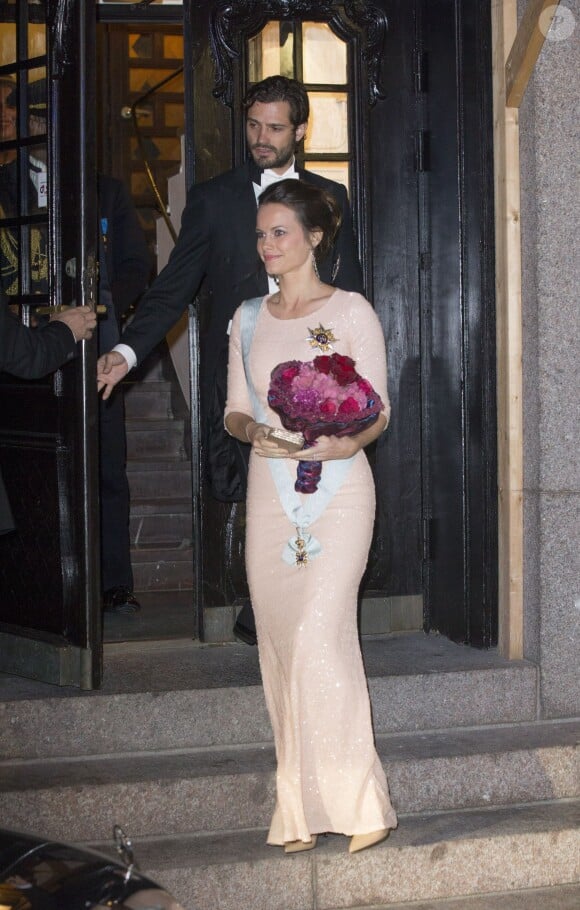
<point>321,338</point>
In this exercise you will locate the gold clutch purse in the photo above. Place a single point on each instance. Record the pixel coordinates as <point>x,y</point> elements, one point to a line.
<point>286,439</point>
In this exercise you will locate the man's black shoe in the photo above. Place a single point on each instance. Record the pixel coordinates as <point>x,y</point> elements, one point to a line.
<point>120,600</point>
<point>242,633</point>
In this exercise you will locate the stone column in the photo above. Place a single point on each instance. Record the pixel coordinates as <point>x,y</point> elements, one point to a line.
<point>550,156</point>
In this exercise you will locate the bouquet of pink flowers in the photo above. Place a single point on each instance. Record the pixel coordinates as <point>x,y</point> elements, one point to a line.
<point>322,397</point>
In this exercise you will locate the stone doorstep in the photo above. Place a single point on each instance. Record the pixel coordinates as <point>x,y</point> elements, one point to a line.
<point>148,696</point>
<point>201,791</point>
<point>236,715</point>
<point>432,857</point>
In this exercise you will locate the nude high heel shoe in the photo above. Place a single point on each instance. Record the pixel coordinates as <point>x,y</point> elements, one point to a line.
<point>362,841</point>
<point>298,846</point>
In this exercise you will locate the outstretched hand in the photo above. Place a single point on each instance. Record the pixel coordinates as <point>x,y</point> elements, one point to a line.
<point>111,368</point>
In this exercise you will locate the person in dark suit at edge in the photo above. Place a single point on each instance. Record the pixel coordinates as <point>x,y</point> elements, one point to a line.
<point>217,242</point>
<point>124,269</point>
<point>30,353</point>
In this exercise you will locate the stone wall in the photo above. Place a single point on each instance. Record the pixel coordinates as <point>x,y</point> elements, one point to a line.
<point>550,155</point>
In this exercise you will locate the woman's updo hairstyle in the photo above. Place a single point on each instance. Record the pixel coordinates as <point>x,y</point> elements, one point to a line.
<point>315,209</point>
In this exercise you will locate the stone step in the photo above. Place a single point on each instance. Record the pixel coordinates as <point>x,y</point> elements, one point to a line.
<point>200,791</point>
<point>155,439</point>
<point>166,522</point>
<point>162,568</point>
<point>159,479</point>
<point>148,400</point>
<point>561,897</point>
<point>474,852</point>
<point>200,696</point>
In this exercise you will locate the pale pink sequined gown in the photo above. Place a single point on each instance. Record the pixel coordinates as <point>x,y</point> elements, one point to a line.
<point>329,776</point>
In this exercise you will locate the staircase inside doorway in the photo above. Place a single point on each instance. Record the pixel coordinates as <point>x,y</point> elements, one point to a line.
<point>159,473</point>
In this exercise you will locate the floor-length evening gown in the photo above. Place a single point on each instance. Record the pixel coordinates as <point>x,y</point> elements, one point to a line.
<point>329,777</point>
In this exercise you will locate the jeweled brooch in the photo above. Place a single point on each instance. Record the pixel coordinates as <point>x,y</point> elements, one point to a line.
<point>301,552</point>
<point>321,338</point>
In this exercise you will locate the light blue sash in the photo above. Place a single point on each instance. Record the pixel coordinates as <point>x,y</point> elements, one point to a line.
<point>301,512</point>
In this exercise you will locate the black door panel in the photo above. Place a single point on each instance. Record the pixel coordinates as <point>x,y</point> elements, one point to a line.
<point>50,616</point>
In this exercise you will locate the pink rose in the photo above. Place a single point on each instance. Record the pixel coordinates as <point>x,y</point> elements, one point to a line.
<point>349,406</point>
<point>343,369</point>
<point>328,407</point>
<point>322,364</point>
<point>365,386</point>
<point>288,374</point>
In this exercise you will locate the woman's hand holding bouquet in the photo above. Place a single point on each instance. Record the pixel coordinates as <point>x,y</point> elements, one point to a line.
<point>328,402</point>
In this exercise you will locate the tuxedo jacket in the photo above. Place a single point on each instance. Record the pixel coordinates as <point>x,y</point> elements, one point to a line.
<point>29,354</point>
<point>217,242</point>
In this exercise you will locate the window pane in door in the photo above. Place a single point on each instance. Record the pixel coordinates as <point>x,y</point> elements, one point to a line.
<point>141,80</point>
<point>333,170</point>
<point>8,260</point>
<point>8,117</point>
<point>173,47</point>
<point>37,180</point>
<point>324,55</point>
<point>36,40</point>
<point>174,114</point>
<point>38,259</point>
<point>271,52</point>
<point>7,43</point>
<point>158,147</point>
<point>328,124</point>
<point>141,46</point>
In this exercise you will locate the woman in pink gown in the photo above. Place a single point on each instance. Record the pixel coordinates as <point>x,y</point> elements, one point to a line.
<point>329,776</point>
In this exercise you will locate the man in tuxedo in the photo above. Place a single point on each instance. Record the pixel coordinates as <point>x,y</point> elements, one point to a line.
<point>124,268</point>
<point>31,353</point>
<point>217,242</point>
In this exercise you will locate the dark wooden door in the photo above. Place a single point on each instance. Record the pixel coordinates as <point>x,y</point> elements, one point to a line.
<point>422,196</point>
<point>457,301</point>
<point>50,618</point>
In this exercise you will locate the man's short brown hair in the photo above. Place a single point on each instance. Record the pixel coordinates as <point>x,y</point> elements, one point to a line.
<point>280,88</point>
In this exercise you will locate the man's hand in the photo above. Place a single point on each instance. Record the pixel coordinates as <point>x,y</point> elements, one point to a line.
<point>111,368</point>
<point>81,320</point>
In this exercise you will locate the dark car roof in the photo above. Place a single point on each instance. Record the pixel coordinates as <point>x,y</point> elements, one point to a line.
<point>64,875</point>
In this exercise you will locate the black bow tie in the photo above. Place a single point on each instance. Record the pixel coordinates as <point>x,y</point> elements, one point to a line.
<point>256,172</point>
